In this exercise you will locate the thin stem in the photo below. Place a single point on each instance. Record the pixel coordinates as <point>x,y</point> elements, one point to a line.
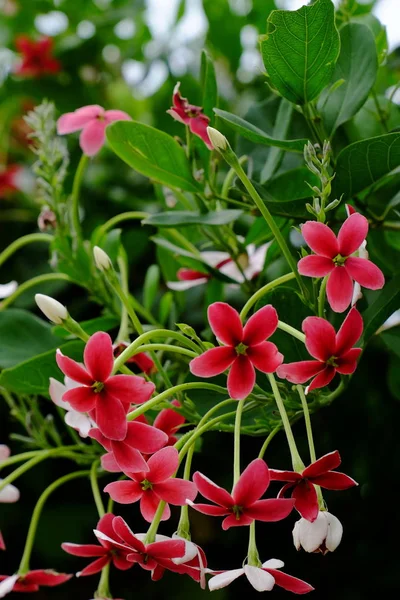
<point>103,590</point>
<point>381,114</point>
<point>20,458</point>
<point>230,177</point>
<point>123,269</point>
<point>76,225</point>
<point>307,422</point>
<point>23,241</point>
<point>262,291</point>
<point>166,348</point>
<point>253,558</point>
<point>24,565</point>
<point>297,463</point>
<point>321,297</point>
<point>95,488</point>
<point>152,531</point>
<point>32,283</point>
<point>236,452</point>
<point>292,331</point>
<point>268,440</point>
<point>127,216</point>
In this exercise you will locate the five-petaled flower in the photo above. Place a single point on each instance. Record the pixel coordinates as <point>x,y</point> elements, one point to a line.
<point>32,581</point>
<point>37,57</point>
<point>243,506</point>
<point>333,258</point>
<point>190,115</point>
<point>154,485</point>
<point>106,553</point>
<point>244,348</point>
<point>334,353</point>
<point>303,484</point>
<point>106,398</point>
<point>92,120</point>
<point>262,578</point>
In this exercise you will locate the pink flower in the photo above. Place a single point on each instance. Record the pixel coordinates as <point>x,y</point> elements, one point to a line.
<point>10,179</point>
<point>190,115</point>
<point>244,348</point>
<point>107,398</point>
<point>141,360</point>
<point>303,484</point>
<point>334,353</point>
<point>126,453</point>
<point>333,257</point>
<point>77,420</point>
<point>106,553</point>
<point>2,542</point>
<point>262,578</point>
<point>32,581</point>
<point>243,506</point>
<point>169,421</point>
<point>156,484</point>
<point>37,57</point>
<point>92,120</point>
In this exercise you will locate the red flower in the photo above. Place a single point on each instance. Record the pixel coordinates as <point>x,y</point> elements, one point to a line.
<point>141,360</point>
<point>318,473</point>
<point>244,505</point>
<point>106,397</point>
<point>2,542</point>
<point>154,485</point>
<point>190,115</point>
<point>9,180</point>
<point>333,257</point>
<point>106,553</point>
<point>37,58</point>
<point>334,352</point>
<point>245,348</point>
<point>32,581</point>
<point>126,453</point>
<point>169,421</point>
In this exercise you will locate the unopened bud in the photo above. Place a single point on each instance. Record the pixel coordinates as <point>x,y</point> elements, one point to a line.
<point>51,308</point>
<point>102,260</point>
<point>218,140</point>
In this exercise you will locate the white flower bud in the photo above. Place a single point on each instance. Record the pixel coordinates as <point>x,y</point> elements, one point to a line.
<point>101,258</point>
<point>323,535</point>
<point>9,494</point>
<point>218,140</point>
<point>54,310</point>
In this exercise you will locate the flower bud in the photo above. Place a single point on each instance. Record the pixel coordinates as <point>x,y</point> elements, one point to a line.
<point>9,494</point>
<point>54,310</point>
<point>322,535</point>
<point>102,260</point>
<point>218,140</point>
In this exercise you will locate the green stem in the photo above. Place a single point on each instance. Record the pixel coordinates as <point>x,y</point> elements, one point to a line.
<point>166,348</point>
<point>127,216</point>
<point>123,269</point>
<point>32,283</point>
<point>381,114</point>
<point>103,590</point>
<point>297,463</point>
<point>236,452</point>
<point>230,177</point>
<point>268,440</point>
<point>292,331</point>
<point>262,291</point>
<point>20,458</point>
<point>321,297</point>
<point>152,531</point>
<point>76,225</point>
<point>95,488</point>
<point>23,241</point>
<point>253,558</point>
<point>24,565</point>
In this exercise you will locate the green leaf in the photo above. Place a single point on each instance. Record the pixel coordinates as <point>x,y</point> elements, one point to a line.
<point>379,32</point>
<point>153,153</point>
<point>256,135</point>
<point>209,86</point>
<point>23,335</point>
<point>386,303</point>
<point>166,307</point>
<point>300,50</point>
<point>183,217</point>
<point>392,339</point>
<point>32,376</point>
<point>363,163</point>
<point>357,65</point>
<point>150,288</point>
<point>281,127</point>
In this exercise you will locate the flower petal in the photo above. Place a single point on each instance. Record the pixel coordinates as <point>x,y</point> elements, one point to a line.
<point>74,121</point>
<point>111,417</point>
<point>352,234</point>
<point>56,392</point>
<point>252,483</point>
<point>168,420</point>
<point>265,357</point>
<point>209,509</point>
<point>223,579</point>
<point>323,378</point>
<point>260,326</point>
<point>225,323</point>
<point>149,504</point>
<point>306,501</point>
<point>124,492</point>
<point>109,463</point>
<point>46,577</point>
<point>176,491</point>
<point>277,475</point>
<point>315,265</point>
<point>83,399</point>
<point>78,421</point>
<point>72,369</point>
<point>310,536</point>
<point>335,532</point>
<point>98,356</point>
<point>126,534</point>
<point>365,272</point>
<point>261,580</point>
<point>339,289</point>
<point>320,338</point>
<point>146,438</point>
<point>211,491</point>
<point>213,362</point>
<point>349,333</point>
<point>9,494</point>
<point>93,137</point>
<point>198,125</point>
<point>320,238</point>
<point>241,378</point>
<point>290,583</point>
<point>129,459</point>
<point>347,363</point>
<point>334,481</point>
<point>130,388</point>
<point>326,463</point>
<point>167,549</point>
<point>300,372</point>
<point>270,510</point>
<point>89,550</point>
<point>116,115</point>
<point>163,464</point>
<point>234,521</point>
<point>273,563</point>
<point>95,567</point>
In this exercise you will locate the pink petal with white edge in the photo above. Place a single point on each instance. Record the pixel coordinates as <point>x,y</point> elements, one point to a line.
<point>262,581</point>
<point>116,115</point>
<point>290,583</point>
<point>72,369</point>
<point>6,586</point>
<point>163,464</point>
<point>223,579</point>
<point>213,362</point>
<point>349,333</point>
<point>315,266</point>
<point>320,238</point>
<point>252,483</point>
<point>98,356</point>
<point>365,273</point>
<point>74,121</point>
<point>211,491</point>
<point>225,323</point>
<point>78,421</point>
<point>326,463</point>
<point>176,491</point>
<point>339,289</point>
<point>241,378</point>
<point>320,338</point>
<point>265,357</point>
<point>300,372</point>
<point>352,234</point>
<point>93,137</point>
<point>260,326</point>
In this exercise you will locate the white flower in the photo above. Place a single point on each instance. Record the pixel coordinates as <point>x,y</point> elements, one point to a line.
<point>218,140</point>
<point>6,289</point>
<point>101,258</point>
<point>392,321</point>
<point>79,421</point>
<point>323,535</point>
<point>9,495</point>
<point>260,579</point>
<point>7,585</point>
<point>51,308</point>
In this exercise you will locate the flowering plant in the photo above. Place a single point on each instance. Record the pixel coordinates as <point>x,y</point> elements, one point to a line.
<point>253,317</point>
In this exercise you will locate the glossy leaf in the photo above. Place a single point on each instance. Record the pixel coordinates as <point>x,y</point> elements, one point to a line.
<point>182,218</point>
<point>150,288</point>
<point>281,127</point>
<point>387,301</point>
<point>209,86</point>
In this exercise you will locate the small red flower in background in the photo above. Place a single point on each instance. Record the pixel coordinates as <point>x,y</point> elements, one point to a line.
<point>126,453</point>
<point>154,485</point>
<point>9,179</point>
<point>318,473</point>
<point>190,115</point>
<point>92,120</point>
<point>141,360</point>
<point>31,582</point>
<point>106,553</point>
<point>169,421</point>
<point>334,353</point>
<point>107,398</point>
<point>37,57</point>
<point>244,348</point>
<point>333,257</point>
<point>243,506</point>
<point>2,542</point>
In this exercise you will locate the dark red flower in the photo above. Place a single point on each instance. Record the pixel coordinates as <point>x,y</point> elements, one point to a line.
<point>141,360</point>
<point>303,484</point>
<point>334,353</point>
<point>169,421</point>
<point>37,57</point>
<point>190,115</point>
<point>243,506</point>
<point>32,581</point>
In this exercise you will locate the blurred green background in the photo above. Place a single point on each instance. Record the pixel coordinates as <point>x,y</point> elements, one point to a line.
<point>129,55</point>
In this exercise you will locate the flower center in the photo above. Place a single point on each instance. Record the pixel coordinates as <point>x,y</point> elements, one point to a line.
<point>332,361</point>
<point>237,511</point>
<point>98,387</point>
<point>146,484</point>
<point>339,260</point>
<point>241,348</point>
